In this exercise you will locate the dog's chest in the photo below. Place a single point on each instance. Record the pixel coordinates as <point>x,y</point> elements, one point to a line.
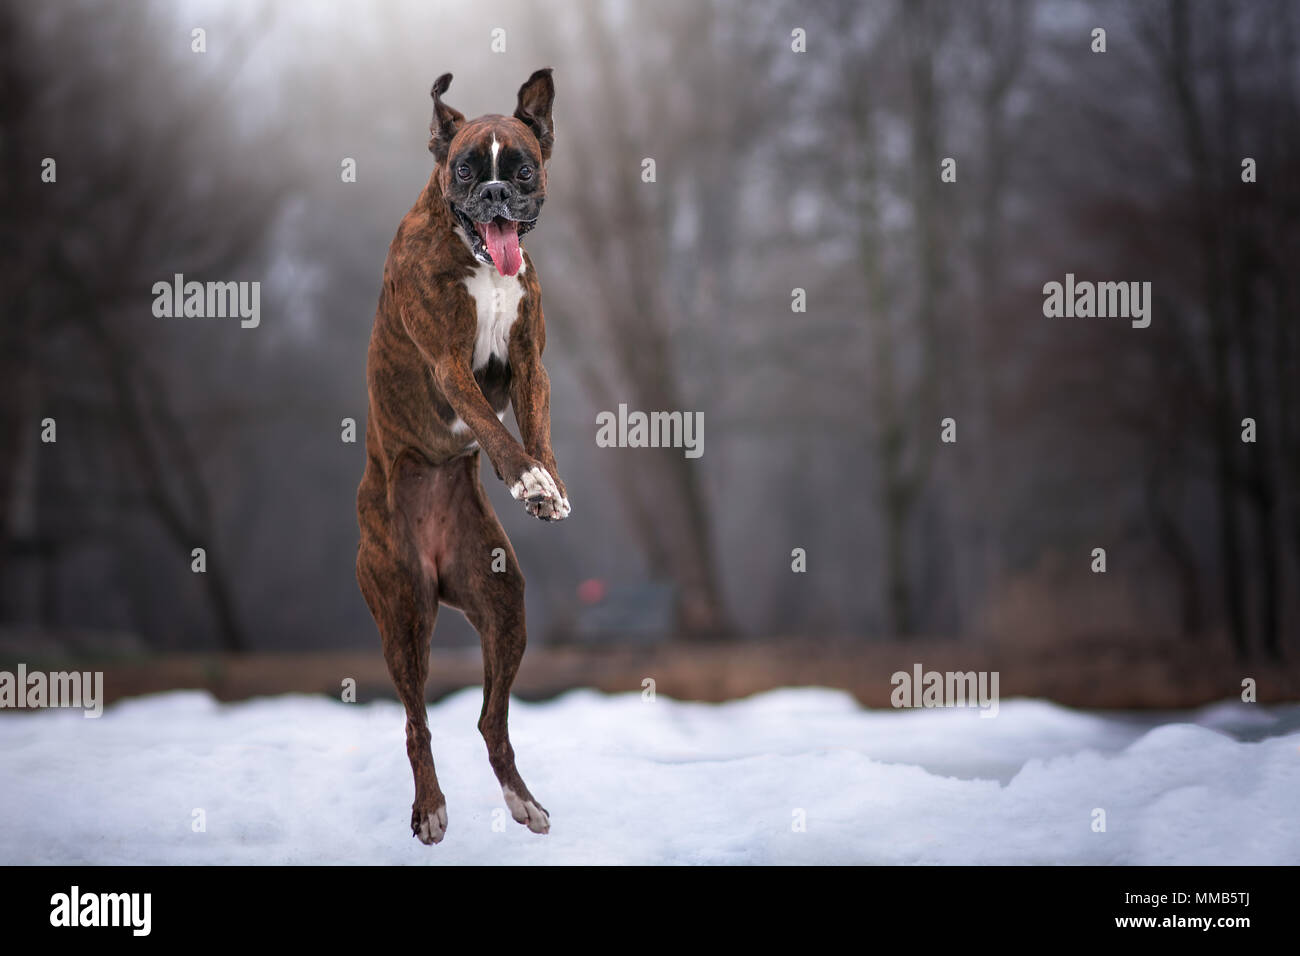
<point>496,301</point>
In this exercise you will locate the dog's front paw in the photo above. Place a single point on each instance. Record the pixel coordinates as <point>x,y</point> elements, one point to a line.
<point>548,509</point>
<point>541,494</point>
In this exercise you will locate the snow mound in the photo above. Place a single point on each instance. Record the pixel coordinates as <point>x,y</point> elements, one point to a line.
<point>799,775</point>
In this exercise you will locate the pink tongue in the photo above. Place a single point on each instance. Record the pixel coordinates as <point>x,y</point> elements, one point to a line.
<point>503,245</point>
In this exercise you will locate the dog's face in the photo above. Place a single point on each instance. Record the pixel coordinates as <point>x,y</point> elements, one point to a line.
<point>493,169</point>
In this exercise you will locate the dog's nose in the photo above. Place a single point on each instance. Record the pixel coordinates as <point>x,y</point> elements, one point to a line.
<point>493,192</point>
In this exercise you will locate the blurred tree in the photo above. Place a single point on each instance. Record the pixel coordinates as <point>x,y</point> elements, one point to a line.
<point>644,304</point>
<point>137,130</point>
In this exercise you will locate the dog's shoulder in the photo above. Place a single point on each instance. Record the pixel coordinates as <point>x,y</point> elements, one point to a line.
<point>425,252</point>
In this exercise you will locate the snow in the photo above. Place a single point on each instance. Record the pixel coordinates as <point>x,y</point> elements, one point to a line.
<point>301,779</point>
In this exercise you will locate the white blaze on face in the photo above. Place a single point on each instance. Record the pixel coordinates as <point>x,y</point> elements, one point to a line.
<point>496,148</point>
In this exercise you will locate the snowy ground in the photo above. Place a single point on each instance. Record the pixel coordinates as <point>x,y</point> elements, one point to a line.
<point>307,780</point>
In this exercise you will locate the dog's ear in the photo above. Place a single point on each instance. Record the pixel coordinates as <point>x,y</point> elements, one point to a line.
<point>534,109</point>
<point>446,120</point>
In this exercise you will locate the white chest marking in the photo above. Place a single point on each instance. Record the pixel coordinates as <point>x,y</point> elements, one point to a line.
<point>496,300</point>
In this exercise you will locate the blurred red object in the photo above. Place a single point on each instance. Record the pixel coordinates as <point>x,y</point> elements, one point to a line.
<point>591,591</point>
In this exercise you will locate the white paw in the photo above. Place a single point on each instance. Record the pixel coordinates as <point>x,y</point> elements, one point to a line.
<point>527,812</point>
<point>535,482</point>
<point>541,495</point>
<point>548,509</point>
<point>430,827</point>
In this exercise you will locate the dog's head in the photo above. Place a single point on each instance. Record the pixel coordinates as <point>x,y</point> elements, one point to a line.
<point>493,169</point>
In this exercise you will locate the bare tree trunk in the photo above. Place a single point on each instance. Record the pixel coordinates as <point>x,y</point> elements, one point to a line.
<point>157,466</point>
<point>629,352</point>
<point>1180,552</point>
<point>1002,32</point>
<point>1225,437</point>
<point>883,397</point>
<point>1261,493</point>
<point>903,482</point>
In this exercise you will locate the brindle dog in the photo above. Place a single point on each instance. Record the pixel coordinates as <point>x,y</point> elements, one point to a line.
<point>458,335</point>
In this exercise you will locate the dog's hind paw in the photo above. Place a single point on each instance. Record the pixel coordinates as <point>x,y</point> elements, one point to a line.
<point>429,826</point>
<point>527,812</point>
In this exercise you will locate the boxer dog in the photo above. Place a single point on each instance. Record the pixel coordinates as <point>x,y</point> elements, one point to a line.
<point>458,335</point>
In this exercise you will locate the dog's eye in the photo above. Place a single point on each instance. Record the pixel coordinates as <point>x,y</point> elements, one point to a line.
<point>463,172</point>
<point>525,173</point>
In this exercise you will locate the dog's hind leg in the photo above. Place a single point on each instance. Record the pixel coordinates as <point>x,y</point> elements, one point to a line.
<point>401,591</point>
<point>479,574</point>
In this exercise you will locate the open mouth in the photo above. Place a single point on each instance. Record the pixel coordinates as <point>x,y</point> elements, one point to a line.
<point>497,240</point>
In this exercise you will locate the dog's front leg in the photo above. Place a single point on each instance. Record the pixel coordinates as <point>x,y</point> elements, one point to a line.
<point>528,479</point>
<point>530,393</point>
